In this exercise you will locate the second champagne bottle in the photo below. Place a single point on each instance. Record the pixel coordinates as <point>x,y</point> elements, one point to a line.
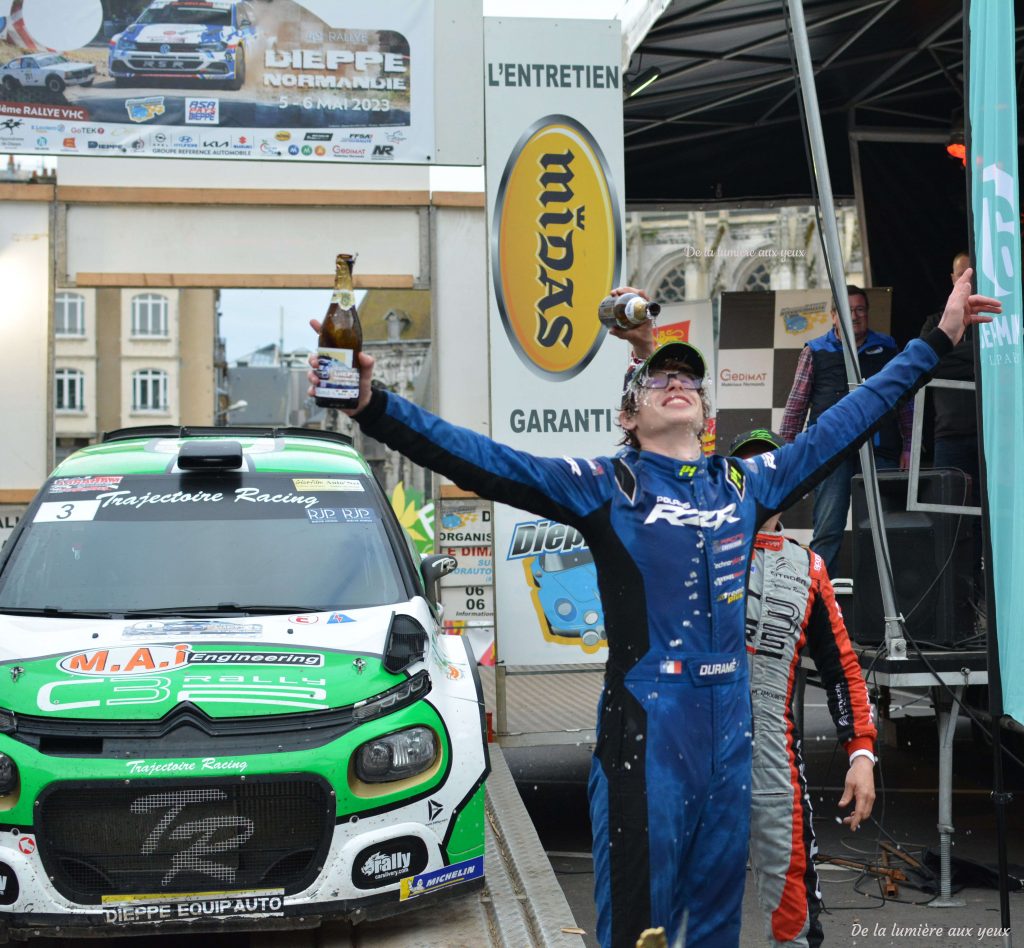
<point>626,311</point>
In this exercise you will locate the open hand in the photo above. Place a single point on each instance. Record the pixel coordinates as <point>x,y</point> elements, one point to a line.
<point>860,790</point>
<point>641,337</point>
<point>964,308</point>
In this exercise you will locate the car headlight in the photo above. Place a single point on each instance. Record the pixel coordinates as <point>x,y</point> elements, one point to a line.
<point>591,617</point>
<point>212,47</point>
<point>8,775</point>
<point>565,609</point>
<point>125,46</point>
<point>403,754</point>
<point>8,722</point>
<point>412,689</point>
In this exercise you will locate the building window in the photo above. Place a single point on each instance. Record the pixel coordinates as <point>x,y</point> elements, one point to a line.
<point>149,315</point>
<point>149,390</point>
<point>759,279</point>
<point>69,314</point>
<point>672,288</point>
<point>69,390</point>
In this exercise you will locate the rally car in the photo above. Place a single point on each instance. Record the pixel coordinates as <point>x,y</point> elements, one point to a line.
<point>46,70</point>
<point>192,39</point>
<point>225,702</point>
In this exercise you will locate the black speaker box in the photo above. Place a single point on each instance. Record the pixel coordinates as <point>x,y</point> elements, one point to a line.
<point>932,560</point>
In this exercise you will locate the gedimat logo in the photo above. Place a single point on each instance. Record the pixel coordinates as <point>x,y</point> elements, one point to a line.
<point>556,246</point>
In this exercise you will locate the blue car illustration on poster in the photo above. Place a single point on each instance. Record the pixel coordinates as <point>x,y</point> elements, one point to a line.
<point>565,587</point>
<point>562,579</point>
<point>209,40</point>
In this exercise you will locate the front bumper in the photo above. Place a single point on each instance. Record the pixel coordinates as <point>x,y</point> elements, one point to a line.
<point>192,64</point>
<point>29,926</point>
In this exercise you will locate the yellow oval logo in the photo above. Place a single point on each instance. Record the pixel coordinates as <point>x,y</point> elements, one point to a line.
<point>555,246</point>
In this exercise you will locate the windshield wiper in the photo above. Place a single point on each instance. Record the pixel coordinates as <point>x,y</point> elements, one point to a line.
<point>58,612</point>
<point>221,609</point>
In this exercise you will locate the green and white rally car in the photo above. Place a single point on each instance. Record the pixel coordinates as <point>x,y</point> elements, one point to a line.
<point>224,700</point>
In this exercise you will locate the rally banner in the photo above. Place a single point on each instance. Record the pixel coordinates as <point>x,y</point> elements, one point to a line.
<point>996,212</point>
<point>554,172</point>
<point>288,80</point>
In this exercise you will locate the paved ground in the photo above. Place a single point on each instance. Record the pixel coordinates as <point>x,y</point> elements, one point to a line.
<point>552,783</point>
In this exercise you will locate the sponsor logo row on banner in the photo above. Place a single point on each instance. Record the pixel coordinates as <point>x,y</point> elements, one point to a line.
<point>23,128</point>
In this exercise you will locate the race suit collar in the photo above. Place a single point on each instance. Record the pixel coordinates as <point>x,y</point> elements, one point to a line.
<point>674,466</point>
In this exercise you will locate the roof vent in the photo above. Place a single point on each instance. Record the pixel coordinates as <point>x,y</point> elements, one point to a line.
<point>210,456</point>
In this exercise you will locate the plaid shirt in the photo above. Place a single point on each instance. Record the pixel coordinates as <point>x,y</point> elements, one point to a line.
<point>800,400</point>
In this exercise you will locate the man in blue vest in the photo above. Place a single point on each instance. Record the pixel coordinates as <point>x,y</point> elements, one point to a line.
<point>819,383</point>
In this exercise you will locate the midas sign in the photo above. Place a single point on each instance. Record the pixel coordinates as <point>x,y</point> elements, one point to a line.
<point>555,246</point>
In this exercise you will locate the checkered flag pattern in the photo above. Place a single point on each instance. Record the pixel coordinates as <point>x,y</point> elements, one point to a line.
<point>760,338</point>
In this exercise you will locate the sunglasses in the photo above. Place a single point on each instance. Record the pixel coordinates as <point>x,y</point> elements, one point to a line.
<point>661,380</point>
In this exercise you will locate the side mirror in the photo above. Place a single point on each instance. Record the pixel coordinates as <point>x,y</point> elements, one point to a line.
<point>432,567</point>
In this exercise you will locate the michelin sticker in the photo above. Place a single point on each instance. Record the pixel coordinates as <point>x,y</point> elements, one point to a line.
<point>427,882</point>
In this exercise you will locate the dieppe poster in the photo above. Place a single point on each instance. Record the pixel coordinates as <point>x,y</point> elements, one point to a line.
<point>286,80</point>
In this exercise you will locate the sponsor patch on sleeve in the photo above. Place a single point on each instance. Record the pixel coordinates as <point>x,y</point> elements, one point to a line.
<point>736,479</point>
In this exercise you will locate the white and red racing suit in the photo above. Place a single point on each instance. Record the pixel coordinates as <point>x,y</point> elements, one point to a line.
<point>790,605</point>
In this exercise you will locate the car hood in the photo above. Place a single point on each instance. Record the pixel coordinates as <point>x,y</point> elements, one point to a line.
<point>70,67</point>
<point>108,669</point>
<point>578,584</point>
<point>177,33</point>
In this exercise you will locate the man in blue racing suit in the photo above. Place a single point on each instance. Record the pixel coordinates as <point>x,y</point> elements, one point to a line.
<point>671,533</point>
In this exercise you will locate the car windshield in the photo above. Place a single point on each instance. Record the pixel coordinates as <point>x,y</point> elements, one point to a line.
<point>556,562</point>
<point>51,60</point>
<point>187,13</point>
<point>186,542</point>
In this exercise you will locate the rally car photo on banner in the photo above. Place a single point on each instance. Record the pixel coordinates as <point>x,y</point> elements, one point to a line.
<point>225,701</point>
<point>302,80</point>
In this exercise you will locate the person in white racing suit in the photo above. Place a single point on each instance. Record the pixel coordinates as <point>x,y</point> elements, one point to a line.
<point>670,779</point>
<point>791,607</point>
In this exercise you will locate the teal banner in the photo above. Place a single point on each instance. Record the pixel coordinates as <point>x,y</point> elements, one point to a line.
<point>997,218</point>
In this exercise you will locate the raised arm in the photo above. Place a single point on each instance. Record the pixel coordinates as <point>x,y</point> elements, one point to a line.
<point>783,477</point>
<point>563,489</point>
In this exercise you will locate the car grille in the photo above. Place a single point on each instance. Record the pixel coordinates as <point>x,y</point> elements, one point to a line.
<point>172,837</point>
<point>167,61</point>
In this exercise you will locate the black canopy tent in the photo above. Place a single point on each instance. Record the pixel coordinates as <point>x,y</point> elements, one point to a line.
<point>721,124</point>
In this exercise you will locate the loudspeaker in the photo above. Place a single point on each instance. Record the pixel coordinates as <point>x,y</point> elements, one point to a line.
<point>932,558</point>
